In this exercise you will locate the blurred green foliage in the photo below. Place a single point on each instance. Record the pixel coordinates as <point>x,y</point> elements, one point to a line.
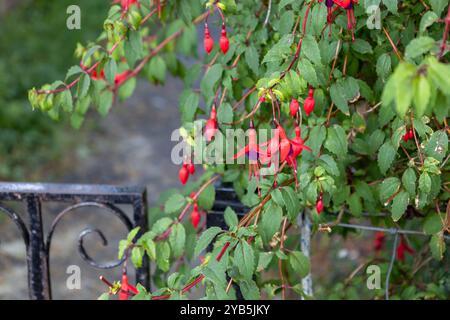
<point>36,47</point>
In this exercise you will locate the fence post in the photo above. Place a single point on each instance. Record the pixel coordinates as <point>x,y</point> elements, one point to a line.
<point>37,260</point>
<point>305,245</point>
<point>141,219</point>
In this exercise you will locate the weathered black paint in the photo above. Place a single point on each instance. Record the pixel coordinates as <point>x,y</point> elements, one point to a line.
<point>38,245</point>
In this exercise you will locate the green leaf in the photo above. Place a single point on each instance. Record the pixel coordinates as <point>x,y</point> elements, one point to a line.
<point>338,96</point>
<point>292,203</point>
<point>433,224</point>
<point>207,197</point>
<point>438,6</point>
<point>231,218</point>
<point>252,59</point>
<point>74,70</point>
<point>337,141</point>
<point>177,239</point>
<point>161,225</point>
<point>188,106</point>
<point>249,289</point>
<point>244,259</point>
<point>316,138</point>
<point>329,164</point>
<point>422,94</point>
<point>409,181</point>
<point>399,205</point>
<point>300,263</point>
<point>427,20</point>
<point>425,182</point>
<point>127,89</point>
<point>386,156</point>
<point>270,221</point>
<point>163,256</point>
<point>310,49</point>
<point>277,196</point>
<point>392,5</point>
<point>355,205</point>
<point>437,146</point>
<point>361,46</point>
<point>437,246</point>
<point>123,245</point>
<point>215,272</point>
<point>384,67</point>
<point>280,50</point>
<point>157,69</point>
<point>83,86</point>
<point>225,114</point>
<point>308,72</point>
<point>66,101</point>
<point>286,22</point>
<point>136,256</point>
<point>388,188</point>
<point>110,70</point>
<point>105,102</point>
<point>132,234</point>
<point>419,46</point>
<point>403,96</point>
<point>264,260</point>
<point>205,239</point>
<point>174,204</point>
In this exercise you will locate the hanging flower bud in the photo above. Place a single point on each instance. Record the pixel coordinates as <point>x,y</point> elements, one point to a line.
<point>319,205</point>
<point>208,42</point>
<point>211,125</point>
<point>310,103</point>
<point>408,135</point>
<point>191,168</point>
<point>195,216</point>
<point>294,107</point>
<point>224,42</point>
<point>183,174</point>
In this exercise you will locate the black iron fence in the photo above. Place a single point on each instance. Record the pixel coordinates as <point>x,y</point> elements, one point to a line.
<point>38,243</point>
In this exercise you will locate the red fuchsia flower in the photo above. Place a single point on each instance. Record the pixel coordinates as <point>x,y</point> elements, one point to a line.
<point>351,21</point>
<point>293,107</point>
<point>95,76</point>
<point>402,248</point>
<point>211,125</point>
<point>378,242</point>
<point>126,4</point>
<point>224,42</point>
<point>287,149</point>
<point>121,77</point>
<point>309,103</point>
<point>253,151</point>
<point>183,174</point>
<point>126,289</point>
<point>297,146</point>
<point>281,144</point>
<point>195,216</point>
<point>208,42</point>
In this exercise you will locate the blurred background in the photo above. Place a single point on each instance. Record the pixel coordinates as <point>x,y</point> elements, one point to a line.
<point>130,146</point>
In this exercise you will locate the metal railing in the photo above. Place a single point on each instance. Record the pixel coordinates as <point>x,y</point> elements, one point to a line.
<point>38,244</point>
